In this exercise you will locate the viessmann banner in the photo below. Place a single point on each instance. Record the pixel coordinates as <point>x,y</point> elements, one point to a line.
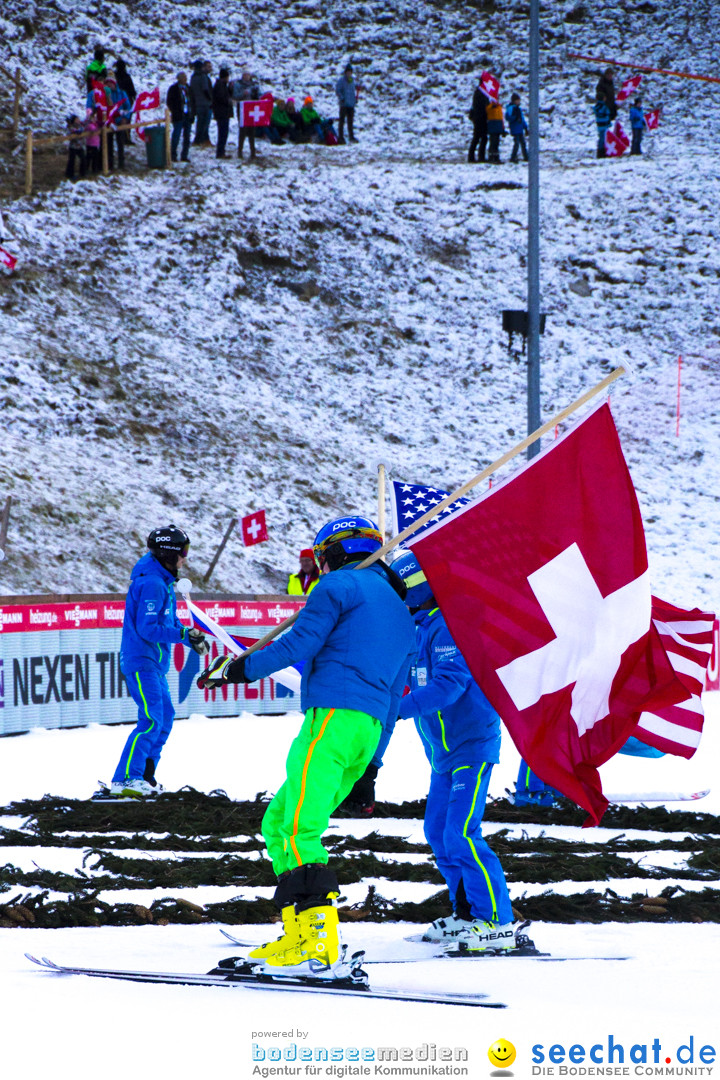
<point>60,665</point>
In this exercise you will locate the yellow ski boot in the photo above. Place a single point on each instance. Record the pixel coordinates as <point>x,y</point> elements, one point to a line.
<point>318,944</point>
<point>289,937</point>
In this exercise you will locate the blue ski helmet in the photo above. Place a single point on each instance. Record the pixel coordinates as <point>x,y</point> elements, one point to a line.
<point>408,568</point>
<point>346,539</point>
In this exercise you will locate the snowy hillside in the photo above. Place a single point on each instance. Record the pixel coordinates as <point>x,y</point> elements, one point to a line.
<point>195,344</point>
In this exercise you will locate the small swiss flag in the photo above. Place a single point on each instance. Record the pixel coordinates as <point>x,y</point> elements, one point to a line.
<point>616,141</point>
<point>490,86</point>
<point>652,119</point>
<point>147,99</point>
<point>628,87</point>
<point>256,113</point>
<point>254,529</point>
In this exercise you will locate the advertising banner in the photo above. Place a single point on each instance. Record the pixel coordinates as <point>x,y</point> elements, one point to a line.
<point>60,664</point>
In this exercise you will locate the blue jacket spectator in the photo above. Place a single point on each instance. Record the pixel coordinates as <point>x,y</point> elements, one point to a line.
<point>518,127</point>
<point>347,96</point>
<point>603,120</point>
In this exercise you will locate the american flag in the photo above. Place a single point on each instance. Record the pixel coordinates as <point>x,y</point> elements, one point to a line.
<point>411,501</point>
<point>688,640</point>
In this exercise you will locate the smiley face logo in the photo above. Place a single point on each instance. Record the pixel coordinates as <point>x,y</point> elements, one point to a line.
<point>502,1053</point>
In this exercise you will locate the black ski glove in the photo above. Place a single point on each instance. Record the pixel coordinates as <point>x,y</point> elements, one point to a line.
<point>222,670</point>
<point>198,641</point>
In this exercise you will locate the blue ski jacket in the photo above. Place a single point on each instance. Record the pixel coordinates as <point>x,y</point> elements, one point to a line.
<point>357,639</point>
<point>453,717</point>
<point>151,624</point>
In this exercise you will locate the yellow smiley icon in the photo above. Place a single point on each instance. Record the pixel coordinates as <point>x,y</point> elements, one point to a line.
<point>502,1053</point>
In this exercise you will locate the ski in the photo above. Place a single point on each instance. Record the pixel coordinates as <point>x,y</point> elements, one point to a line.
<point>526,952</point>
<point>659,796</point>
<point>246,976</point>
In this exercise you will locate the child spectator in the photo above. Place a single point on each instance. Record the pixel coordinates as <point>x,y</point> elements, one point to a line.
<point>95,71</point>
<point>637,123</point>
<point>496,128</point>
<point>311,118</point>
<point>76,148</point>
<point>518,128</point>
<point>119,114</point>
<point>603,119</point>
<point>92,142</point>
<point>282,127</point>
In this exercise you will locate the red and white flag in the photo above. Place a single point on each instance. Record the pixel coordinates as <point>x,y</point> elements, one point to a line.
<point>544,585</point>
<point>712,676</point>
<point>616,140</point>
<point>7,260</point>
<point>687,639</point>
<point>147,99</point>
<point>256,113</point>
<point>490,86</point>
<point>652,119</point>
<point>628,87</point>
<point>254,529</point>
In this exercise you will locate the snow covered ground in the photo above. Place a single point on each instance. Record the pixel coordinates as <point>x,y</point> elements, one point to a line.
<point>65,1026</point>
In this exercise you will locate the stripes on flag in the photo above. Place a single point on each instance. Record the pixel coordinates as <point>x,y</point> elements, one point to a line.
<point>687,637</point>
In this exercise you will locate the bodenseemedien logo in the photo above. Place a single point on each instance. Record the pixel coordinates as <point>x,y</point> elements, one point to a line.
<point>502,1054</point>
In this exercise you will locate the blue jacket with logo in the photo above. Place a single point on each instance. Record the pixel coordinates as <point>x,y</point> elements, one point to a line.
<point>151,624</point>
<point>357,639</point>
<point>453,717</point>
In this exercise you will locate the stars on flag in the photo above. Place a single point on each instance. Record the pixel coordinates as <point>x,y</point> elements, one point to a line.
<point>411,501</point>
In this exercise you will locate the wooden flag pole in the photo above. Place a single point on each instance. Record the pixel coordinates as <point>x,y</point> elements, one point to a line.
<point>435,510</point>
<point>381,499</point>
<point>219,551</point>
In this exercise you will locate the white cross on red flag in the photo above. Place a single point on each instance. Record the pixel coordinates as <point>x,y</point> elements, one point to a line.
<point>146,99</point>
<point>616,140</point>
<point>254,529</point>
<point>256,113</point>
<point>628,87</point>
<point>544,585</point>
<point>490,86</point>
<point>652,119</point>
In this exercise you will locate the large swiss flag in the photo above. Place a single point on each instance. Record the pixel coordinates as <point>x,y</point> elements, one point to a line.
<point>544,585</point>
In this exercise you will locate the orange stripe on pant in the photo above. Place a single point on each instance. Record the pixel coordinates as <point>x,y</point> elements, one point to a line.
<point>303,784</point>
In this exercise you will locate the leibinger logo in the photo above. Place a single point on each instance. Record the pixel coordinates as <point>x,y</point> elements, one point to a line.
<point>612,1058</point>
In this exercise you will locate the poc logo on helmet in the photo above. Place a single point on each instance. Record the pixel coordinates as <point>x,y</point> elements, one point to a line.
<point>344,525</point>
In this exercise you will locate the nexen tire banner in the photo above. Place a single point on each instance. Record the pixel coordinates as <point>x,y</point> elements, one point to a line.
<point>60,664</point>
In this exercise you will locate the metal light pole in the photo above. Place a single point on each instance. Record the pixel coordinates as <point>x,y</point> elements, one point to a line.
<point>533,262</point>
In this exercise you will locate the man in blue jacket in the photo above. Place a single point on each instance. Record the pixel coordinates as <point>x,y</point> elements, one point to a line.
<point>357,641</point>
<point>150,629</point>
<point>460,732</point>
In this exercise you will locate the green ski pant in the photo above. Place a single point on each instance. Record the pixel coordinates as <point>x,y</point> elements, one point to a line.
<point>331,752</point>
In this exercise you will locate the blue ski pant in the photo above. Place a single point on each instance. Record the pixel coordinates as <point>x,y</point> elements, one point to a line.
<point>151,693</point>
<point>530,784</point>
<point>453,828</point>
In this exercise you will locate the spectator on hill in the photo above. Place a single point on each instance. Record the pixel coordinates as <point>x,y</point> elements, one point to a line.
<point>76,147</point>
<point>245,89</point>
<point>603,121</point>
<point>119,113</point>
<point>478,115</point>
<point>518,128</point>
<point>296,120</point>
<point>282,127</point>
<point>96,69</point>
<point>179,102</point>
<point>605,90</point>
<point>304,580</point>
<point>201,94</point>
<point>347,95</point>
<point>496,128</point>
<point>124,81</point>
<point>317,125</point>
<point>92,142</point>
<point>637,124</point>
<point>222,110</point>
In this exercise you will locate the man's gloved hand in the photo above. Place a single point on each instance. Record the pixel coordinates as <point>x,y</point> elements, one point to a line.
<point>222,670</point>
<point>198,641</point>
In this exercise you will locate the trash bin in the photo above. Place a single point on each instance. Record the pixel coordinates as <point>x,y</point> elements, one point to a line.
<point>155,147</point>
